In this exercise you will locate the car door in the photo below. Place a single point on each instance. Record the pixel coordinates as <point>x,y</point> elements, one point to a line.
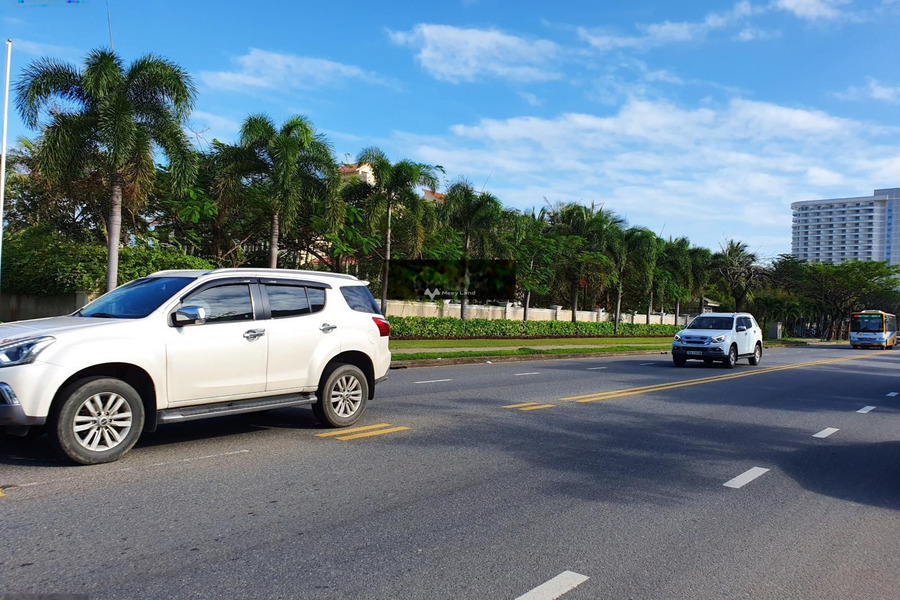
<point>745,337</point>
<point>300,336</point>
<point>225,356</point>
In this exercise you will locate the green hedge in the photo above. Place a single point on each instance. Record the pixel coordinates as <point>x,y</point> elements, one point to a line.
<point>37,261</point>
<point>411,328</point>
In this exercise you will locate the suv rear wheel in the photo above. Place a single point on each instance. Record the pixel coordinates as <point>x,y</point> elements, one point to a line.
<point>342,396</point>
<point>99,420</point>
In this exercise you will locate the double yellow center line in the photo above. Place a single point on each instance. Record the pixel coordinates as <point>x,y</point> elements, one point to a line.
<point>600,396</point>
<point>355,433</point>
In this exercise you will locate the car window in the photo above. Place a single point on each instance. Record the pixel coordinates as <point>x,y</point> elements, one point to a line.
<point>136,299</point>
<point>316,299</point>
<point>360,299</point>
<point>745,321</point>
<point>712,323</point>
<point>224,303</point>
<point>287,300</point>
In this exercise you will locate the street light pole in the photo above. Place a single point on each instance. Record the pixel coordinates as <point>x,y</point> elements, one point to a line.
<point>3,142</point>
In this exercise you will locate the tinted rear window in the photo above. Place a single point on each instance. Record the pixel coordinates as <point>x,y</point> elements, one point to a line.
<point>360,299</point>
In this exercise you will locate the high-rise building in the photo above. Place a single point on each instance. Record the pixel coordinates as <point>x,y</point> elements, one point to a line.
<point>842,229</point>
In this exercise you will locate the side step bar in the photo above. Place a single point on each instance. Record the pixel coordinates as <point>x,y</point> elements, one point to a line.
<point>235,407</point>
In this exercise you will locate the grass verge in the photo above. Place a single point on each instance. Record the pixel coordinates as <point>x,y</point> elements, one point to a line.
<point>527,352</point>
<point>527,342</point>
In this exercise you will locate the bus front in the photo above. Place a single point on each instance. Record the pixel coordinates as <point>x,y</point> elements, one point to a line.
<point>867,330</point>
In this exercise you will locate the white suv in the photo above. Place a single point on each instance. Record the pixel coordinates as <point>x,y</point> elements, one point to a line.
<point>719,337</point>
<point>182,345</point>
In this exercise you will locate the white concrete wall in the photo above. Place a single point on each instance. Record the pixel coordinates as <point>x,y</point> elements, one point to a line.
<point>401,308</point>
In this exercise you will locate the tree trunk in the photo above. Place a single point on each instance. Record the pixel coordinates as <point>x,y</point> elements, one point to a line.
<point>273,242</point>
<point>115,232</point>
<point>464,299</point>
<point>387,262</point>
<point>650,306</point>
<point>575,288</point>
<point>618,311</point>
<point>527,302</point>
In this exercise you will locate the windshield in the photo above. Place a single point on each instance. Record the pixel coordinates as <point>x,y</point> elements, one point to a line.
<point>712,323</point>
<point>871,323</point>
<point>134,300</point>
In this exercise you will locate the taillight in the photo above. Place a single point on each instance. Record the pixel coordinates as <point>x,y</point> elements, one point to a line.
<point>384,328</point>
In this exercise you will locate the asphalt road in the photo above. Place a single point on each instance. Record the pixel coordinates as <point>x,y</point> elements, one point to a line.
<point>536,479</point>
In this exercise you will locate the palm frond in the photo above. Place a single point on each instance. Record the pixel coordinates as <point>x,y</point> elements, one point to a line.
<point>43,80</point>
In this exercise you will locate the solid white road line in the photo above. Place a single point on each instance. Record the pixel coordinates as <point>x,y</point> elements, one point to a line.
<point>745,477</point>
<point>433,381</point>
<point>556,587</point>
<point>866,409</point>
<point>825,432</point>
<point>518,374</point>
<point>645,364</point>
<point>595,368</point>
<point>892,394</point>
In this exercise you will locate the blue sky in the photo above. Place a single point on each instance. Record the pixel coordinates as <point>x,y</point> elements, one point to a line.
<point>695,118</point>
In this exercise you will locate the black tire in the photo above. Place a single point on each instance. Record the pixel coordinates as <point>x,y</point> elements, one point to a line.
<point>342,396</point>
<point>757,354</point>
<point>732,358</point>
<point>679,361</point>
<point>109,413</point>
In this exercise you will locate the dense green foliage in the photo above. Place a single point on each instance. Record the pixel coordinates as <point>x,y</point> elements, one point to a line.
<point>450,327</point>
<point>39,261</point>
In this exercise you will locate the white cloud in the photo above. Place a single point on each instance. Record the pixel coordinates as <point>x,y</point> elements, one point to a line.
<point>813,10</point>
<point>668,32</point>
<point>705,171</point>
<point>41,49</point>
<point>530,99</point>
<point>456,54</point>
<point>873,90</point>
<point>273,70</point>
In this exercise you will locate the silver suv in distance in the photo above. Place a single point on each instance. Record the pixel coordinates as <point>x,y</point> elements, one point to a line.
<point>182,345</point>
<point>719,337</point>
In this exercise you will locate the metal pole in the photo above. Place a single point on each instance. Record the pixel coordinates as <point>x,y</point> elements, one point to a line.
<point>3,142</point>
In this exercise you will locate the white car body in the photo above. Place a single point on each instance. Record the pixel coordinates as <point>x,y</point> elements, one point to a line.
<point>221,364</point>
<point>719,337</point>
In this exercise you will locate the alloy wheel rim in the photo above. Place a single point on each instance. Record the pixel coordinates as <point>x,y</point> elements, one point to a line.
<point>102,422</point>
<point>346,396</point>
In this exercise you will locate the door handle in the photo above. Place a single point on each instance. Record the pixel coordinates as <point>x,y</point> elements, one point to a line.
<point>252,335</point>
<point>327,328</point>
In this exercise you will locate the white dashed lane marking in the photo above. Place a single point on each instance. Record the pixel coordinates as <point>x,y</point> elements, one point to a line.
<point>433,381</point>
<point>745,477</point>
<point>556,587</point>
<point>826,432</point>
<point>866,409</point>
<point>519,374</point>
<point>892,394</point>
<point>595,368</point>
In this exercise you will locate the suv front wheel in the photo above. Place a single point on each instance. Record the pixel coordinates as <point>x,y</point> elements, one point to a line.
<point>732,358</point>
<point>341,396</point>
<point>99,420</point>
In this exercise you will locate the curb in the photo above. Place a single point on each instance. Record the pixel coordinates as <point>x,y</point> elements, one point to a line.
<point>480,360</point>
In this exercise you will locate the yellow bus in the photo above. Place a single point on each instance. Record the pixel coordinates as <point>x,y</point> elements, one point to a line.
<point>873,329</point>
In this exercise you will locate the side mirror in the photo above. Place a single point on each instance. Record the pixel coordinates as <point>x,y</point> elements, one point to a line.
<point>189,315</point>
<point>742,328</point>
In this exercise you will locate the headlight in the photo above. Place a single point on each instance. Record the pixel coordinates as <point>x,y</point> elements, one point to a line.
<point>677,337</point>
<point>718,339</point>
<point>22,352</point>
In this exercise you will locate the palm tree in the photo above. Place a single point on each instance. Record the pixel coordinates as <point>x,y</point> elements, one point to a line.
<point>701,263</point>
<point>673,272</point>
<point>629,250</point>
<point>112,116</point>
<point>738,270</point>
<point>587,233</point>
<point>474,214</point>
<point>395,184</point>
<point>295,164</point>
